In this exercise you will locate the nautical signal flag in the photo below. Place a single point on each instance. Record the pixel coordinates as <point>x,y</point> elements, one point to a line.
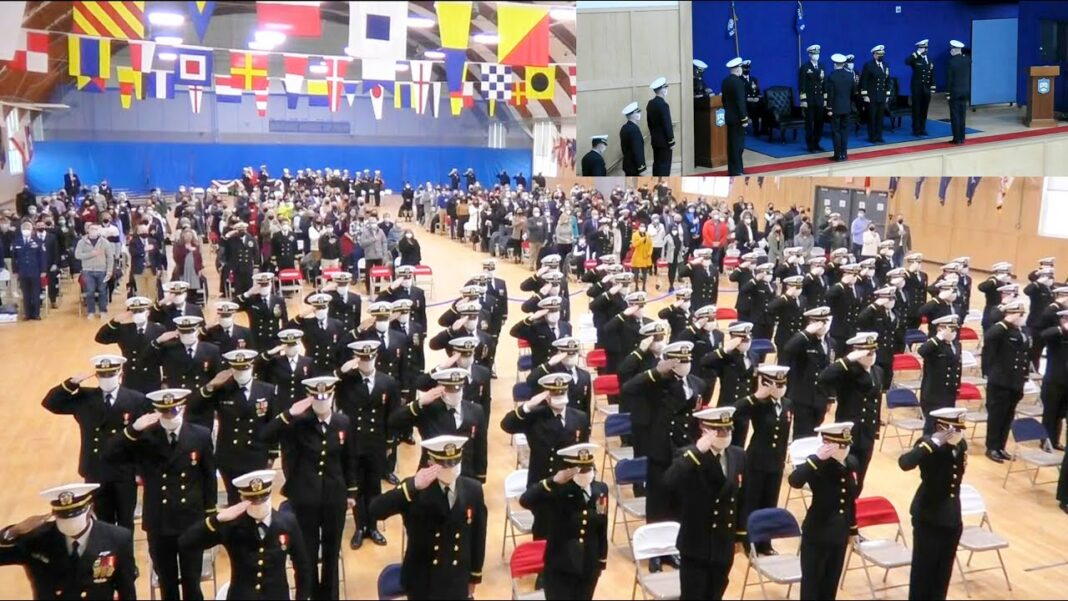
<point>159,84</point>
<point>200,14</point>
<point>194,67</point>
<point>378,30</point>
<point>318,92</point>
<point>377,94</point>
<point>95,85</point>
<point>296,66</point>
<point>11,13</point>
<point>226,89</point>
<point>572,78</point>
<point>196,98</point>
<point>248,69</point>
<point>119,20</point>
<point>335,80</point>
<point>88,57</point>
<point>524,34</point>
<point>421,72</point>
<point>454,23</point>
<point>129,85</point>
<point>519,93</point>
<point>295,19</point>
<point>141,55</point>
<point>541,82</point>
<point>31,51</point>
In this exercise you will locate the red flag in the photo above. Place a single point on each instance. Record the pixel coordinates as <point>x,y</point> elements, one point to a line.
<point>335,80</point>
<point>296,66</point>
<point>867,185</point>
<point>248,70</point>
<point>295,19</point>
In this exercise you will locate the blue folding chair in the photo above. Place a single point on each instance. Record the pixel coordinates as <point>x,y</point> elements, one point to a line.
<point>914,337</point>
<point>902,400</point>
<point>389,582</point>
<point>524,363</point>
<point>1025,430</point>
<point>761,347</point>
<point>764,526</point>
<point>616,426</point>
<point>628,473</point>
<point>522,392</point>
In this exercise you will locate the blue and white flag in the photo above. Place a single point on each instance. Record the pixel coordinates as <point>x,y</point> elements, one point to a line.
<point>159,84</point>
<point>732,23</point>
<point>799,18</point>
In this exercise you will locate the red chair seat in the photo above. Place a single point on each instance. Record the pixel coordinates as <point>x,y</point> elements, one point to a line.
<point>730,262</point>
<point>590,264</point>
<point>967,333</point>
<point>523,343</point>
<point>423,270</point>
<point>596,358</point>
<point>381,271</point>
<point>528,559</point>
<point>906,362</point>
<point>875,511</point>
<point>289,275</point>
<point>968,392</point>
<point>607,384</point>
<point>726,313</point>
<point>661,263</point>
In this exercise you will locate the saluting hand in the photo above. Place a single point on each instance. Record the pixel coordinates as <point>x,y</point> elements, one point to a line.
<point>763,391</point>
<point>124,317</point>
<point>146,421</point>
<point>813,328</point>
<point>704,443</point>
<point>79,378</point>
<point>665,366</point>
<point>940,437</point>
<point>29,524</point>
<point>731,343</point>
<point>426,476</point>
<point>300,406</point>
<point>221,378</point>
<point>350,365</point>
<point>535,401</point>
<point>557,358</point>
<point>459,324</point>
<point>233,512</point>
<point>167,337</point>
<point>368,323</point>
<point>565,475</point>
<point>278,350</point>
<point>856,356</point>
<point>825,451</point>
<point>431,395</point>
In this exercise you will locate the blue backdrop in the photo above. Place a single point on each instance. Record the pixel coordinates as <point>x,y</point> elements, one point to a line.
<point>994,57</point>
<point>140,166</point>
<point>767,36</point>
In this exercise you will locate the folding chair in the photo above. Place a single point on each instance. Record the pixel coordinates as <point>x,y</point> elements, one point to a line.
<point>522,392</point>
<point>726,314</point>
<point>898,401</point>
<point>764,526</point>
<point>914,337</point>
<point>1027,430</point>
<point>967,334</point>
<point>523,364</point>
<point>628,473</point>
<point>969,367</point>
<point>326,275</point>
<point>907,363</point>
<point>616,426</point>
<point>762,347</point>
<point>731,260</point>
<point>1031,405</point>
<point>884,553</point>
<point>424,278</point>
<point>978,538</point>
<point>655,540</point>
<point>527,559</point>
<point>517,521</point>
<point>976,415</point>
<point>596,359</point>
<point>524,346</point>
<point>800,450</point>
<point>223,592</point>
<point>522,451</point>
<point>605,386</point>
<point>389,582</point>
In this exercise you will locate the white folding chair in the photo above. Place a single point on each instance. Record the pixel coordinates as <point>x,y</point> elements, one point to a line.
<point>766,525</point>
<point>978,538</point>
<point>903,415</point>
<point>517,522</point>
<point>969,367</point>
<point>1031,404</point>
<point>649,541</point>
<point>885,553</point>
<point>522,451</point>
<point>798,452</point>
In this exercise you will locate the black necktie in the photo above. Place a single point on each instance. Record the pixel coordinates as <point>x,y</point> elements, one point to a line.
<point>108,398</point>
<point>140,331</point>
<point>74,553</point>
<point>174,439</point>
<point>261,529</point>
<point>190,349</point>
<point>448,499</point>
<point>322,428</point>
<point>718,463</point>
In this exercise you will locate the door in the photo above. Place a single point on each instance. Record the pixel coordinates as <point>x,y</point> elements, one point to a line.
<point>838,200</point>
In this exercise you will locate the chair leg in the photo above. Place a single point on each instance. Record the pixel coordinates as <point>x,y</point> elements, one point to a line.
<point>504,536</point>
<point>963,577</point>
<point>1001,560</point>
<point>745,581</point>
<point>615,516</point>
<point>867,575</point>
<point>845,568</point>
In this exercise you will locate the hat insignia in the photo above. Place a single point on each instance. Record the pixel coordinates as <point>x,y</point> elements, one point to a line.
<point>168,397</point>
<point>584,455</point>
<point>106,363</point>
<point>66,498</point>
<point>321,387</point>
<point>256,485</point>
<point>450,449</point>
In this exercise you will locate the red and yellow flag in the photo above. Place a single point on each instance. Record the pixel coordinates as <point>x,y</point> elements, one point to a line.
<point>119,20</point>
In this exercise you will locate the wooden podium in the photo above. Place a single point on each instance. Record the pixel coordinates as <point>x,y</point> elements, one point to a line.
<point>710,141</point>
<point>1040,100</point>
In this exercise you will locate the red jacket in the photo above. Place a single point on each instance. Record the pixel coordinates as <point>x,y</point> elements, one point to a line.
<point>714,235</point>
<point>179,261</point>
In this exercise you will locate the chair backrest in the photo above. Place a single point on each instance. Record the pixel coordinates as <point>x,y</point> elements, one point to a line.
<point>780,100</point>
<point>766,525</point>
<point>723,313</point>
<point>905,362</point>
<point>1028,429</point>
<point>1031,388</point>
<point>968,392</point>
<point>606,384</point>
<point>971,501</point>
<point>522,392</point>
<point>967,359</point>
<point>596,358</point>
<point>617,425</point>
<point>967,333</point>
<point>655,540</point>
<point>527,558</point>
<point>801,448</point>
<point>523,343</point>
<point>515,484</point>
<point>901,397</point>
<point>762,345</point>
<point>875,511</point>
<point>389,582</point>
<point>631,471</point>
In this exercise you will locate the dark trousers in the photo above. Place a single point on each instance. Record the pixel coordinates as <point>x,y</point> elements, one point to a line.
<point>934,549</point>
<point>368,264</point>
<point>840,135</point>
<point>821,568</point>
<point>661,161</point>
<point>806,419</point>
<point>957,111</point>
<point>920,103</point>
<point>813,125</point>
<point>876,112</point>
<point>232,496</point>
<point>1054,409</point>
<point>735,147</point>
<point>761,492</point>
<point>1001,407</point>
<point>559,585</point>
<point>172,564</point>
<point>1062,483</point>
<point>321,525</point>
<point>700,579</point>
<point>31,295</point>
<point>657,495</point>
<point>740,431</point>
<point>242,279</point>
<point>114,502</point>
<point>53,286</point>
<point>370,469</point>
<point>1034,352</point>
<point>863,452</point>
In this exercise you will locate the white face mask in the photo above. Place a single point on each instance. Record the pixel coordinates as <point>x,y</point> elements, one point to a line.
<point>683,369</point>
<point>954,437</point>
<point>140,318</point>
<point>226,322</point>
<point>471,325</point>
<point>321,314</point>
<point>840,453</point>
<point>570,360</point>
<point>381,326</point>
<point>465,361</point>
<point>366,366</point>
<point>179,299</point>
<point>73,526</point>
<point>584,479</point>
<point>404,318</point>
<point>188,339</point>
<point>243,376</point>
<point>721,441</point>
<point>322,406</point>
<point>109,384</point>
<point>553,318</point>
<point>452,399</point>
<point>709,326</point>
<point>815,58</point>
<point>259,511</point>
<point>170,424</point>
<point>656,347</point>
<point>448,475</point>
<point>558,401</point>
<point>266,291</point>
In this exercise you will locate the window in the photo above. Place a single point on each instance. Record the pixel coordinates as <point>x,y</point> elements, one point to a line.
<point>1053,220</point>
<point>718,187</point>
<point>11,130</point>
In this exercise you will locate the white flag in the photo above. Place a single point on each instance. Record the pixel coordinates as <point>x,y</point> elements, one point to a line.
<point>378,30</point>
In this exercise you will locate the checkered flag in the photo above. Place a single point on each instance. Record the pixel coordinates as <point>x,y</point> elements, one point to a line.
<point>497,82</point>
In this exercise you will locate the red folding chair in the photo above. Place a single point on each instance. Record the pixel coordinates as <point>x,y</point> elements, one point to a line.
<point>589,264</point>
<point>528,559</point>
<point>290,280</point>
<point>605,386</point>
<point>885,553</point>
<point>967,334</point>
<point>726,314</point>
<point>976,413</point>
<point>596,359</point>
<point>424,278</point>
<point>380,275</point>
<point>908,371</point>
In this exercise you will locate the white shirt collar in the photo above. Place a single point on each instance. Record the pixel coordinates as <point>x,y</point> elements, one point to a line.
<point>177,432</point>
<point>267,520</point>
<point>82,540</point>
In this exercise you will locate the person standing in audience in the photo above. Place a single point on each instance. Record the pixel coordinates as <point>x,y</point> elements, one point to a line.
<point>97,257</point>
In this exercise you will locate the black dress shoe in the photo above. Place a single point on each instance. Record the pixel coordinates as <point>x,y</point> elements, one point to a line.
<point>1005,455</point>
<point>833,159</point>
<point>357,539</point>
<point>1058,447</point>
<point>377,538</point>
<point>1064,507</point>
<point>654,565</point>
<point>994,456</point>
<point>393,480</point>
<point>673,560</point>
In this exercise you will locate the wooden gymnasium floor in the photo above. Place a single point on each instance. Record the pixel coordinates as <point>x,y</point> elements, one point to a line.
<point>40,450</point>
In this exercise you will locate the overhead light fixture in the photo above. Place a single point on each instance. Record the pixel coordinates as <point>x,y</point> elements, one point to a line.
<point>167,56</point>
<point>258,45</point>
<point>272,38</point>
<point>421,22</point>
<point>277,26</point>
<point>489,39</point>
<point>166,19</point>
<point>169,40</point>
<point>318,69</point>
<point>402,67</point>
<point>562,14</point>
<point>434,54</point>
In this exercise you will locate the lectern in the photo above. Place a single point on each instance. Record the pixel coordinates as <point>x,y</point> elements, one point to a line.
<point>709,139</point>
<point>1040,101</point>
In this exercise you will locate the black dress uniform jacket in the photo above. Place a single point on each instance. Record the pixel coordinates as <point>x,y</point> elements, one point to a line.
<point>705,284</point>
<point>891,330</point>
<point>579,391</point>
<point>239,337</point>
<point>287,381</point>
<point>859,396</point>
<point>677,318</point>
<point>140,372</point>
<point>633,147</point>
<point>810,84</point>
<point>875,81</point>
<point>239,445</point>
<point>658,116</point>
<point>265,317</point>
<point>436,420</point>
<point>710,503</point>
<point>840,90</point>
<point>257,568</point>
<point>941,374</point>
<point>318,467</point>
<point>546,435</point>
<point>540,336</point>
<point>789,317</point>
<point>814,289</point>
<point>105,568</point>
<point>937,501</point>
<point>605,306</point>
<point>165,314</point>
<point>477,389</point>
<point>831,517</point>
<point>771,433</point>
<point>321,344</point>
<point>346,308</point>
<point>446,546</point>
<point>182,371</point>
<point>367,411</point>
<point>845,307</point>
<point>414,294</point>
<point>593,165</point>
<point>1006,347</point>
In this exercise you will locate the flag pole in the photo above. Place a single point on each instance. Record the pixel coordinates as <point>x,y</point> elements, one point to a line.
<point>734,14</point>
